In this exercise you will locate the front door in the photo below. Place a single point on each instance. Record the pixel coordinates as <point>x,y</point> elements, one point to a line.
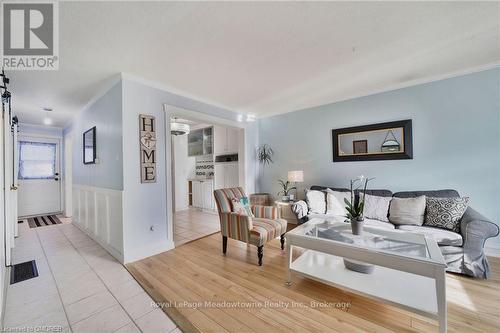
<point>39,180</point>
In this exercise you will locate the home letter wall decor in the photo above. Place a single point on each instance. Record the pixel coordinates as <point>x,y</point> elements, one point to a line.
<point>147,137</point>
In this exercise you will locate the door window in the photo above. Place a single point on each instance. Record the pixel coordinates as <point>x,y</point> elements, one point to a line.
<point>37,160</point>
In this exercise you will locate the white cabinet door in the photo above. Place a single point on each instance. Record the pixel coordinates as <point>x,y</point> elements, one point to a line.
<point>232,140</point>
<point>208,202</point>
<point>219,176</point>
<point>197,194</point>
<point>220,142</point>
<point>231,175</point>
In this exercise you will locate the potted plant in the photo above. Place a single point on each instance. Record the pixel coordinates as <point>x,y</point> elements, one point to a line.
<point>265,157</point>
<point>355,208</point>
<point>286,187</point>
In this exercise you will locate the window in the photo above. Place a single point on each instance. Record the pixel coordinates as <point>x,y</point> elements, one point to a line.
<point>37,160</point>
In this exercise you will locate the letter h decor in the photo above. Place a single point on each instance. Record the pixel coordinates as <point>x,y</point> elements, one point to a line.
<point>147,137</point>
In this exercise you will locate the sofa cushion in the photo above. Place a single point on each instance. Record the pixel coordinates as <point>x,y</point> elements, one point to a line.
<point>335,204</point>
<point>376,207</point>
<point>323,188</point>
<point>265,230</point>
<point>445,212</point>
<point>378,193</point>
<point>432,193</point>
<point>441,236</point>
<point>407,210</point>
<point>378,224</point>
<point>316,200</point>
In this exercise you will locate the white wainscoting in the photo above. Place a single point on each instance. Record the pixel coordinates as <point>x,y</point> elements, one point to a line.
<point>98,212</point>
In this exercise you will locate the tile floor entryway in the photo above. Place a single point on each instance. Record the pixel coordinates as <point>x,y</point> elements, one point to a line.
<point>80,287</point>
<point>192,223</point>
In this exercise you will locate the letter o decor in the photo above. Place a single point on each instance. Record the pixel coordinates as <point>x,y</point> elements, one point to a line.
<point>147,138</point>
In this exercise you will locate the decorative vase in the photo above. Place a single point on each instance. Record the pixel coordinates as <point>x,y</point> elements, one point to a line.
<point>357,226</point>
<point>285,198</point>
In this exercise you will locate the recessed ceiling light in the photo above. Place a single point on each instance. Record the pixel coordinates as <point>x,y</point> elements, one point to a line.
<point>47,121</point>
<point>47,109</point>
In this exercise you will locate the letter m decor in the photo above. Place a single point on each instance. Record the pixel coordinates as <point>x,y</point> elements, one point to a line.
<point>147,138</point>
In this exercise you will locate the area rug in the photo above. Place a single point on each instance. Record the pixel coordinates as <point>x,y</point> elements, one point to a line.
<point>42,221</point>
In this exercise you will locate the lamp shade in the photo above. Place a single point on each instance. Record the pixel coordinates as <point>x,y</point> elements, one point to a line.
<point>296,176</point>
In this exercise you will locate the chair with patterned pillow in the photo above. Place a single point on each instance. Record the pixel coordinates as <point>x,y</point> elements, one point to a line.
<point>258,227</point>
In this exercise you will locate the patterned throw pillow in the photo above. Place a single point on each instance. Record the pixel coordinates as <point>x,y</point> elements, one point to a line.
<point>445,213</point>
<point>241,206</point>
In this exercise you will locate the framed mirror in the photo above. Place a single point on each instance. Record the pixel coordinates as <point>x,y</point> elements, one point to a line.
<point>89,146</point>
<point>384,141</point>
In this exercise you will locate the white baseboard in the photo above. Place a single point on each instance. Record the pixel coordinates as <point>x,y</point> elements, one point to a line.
<point>492,250</point>
<point>144,252</point>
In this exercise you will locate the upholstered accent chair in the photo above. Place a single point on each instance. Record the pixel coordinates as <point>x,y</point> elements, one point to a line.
<point>263,227</point>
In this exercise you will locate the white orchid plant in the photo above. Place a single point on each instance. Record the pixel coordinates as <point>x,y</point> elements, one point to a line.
<point>355,210</point>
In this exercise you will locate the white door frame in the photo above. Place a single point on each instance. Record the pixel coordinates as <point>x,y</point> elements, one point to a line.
<point>8,188</point>
<point>15,180</point>
<point>171,110</point>
<point>58,141</point>
<point>67,174</point>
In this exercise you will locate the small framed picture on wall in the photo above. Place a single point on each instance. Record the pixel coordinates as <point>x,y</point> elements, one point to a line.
<point>360,146</point>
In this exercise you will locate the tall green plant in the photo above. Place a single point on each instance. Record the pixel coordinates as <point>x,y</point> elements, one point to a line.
<point>265,154</point>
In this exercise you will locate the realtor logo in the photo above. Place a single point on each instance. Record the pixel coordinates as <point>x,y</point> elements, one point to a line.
<point>30,35</point>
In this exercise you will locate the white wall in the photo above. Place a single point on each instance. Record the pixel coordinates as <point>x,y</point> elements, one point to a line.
<point>97,188</point>
<point>145,228</point>
<point>184,168</point>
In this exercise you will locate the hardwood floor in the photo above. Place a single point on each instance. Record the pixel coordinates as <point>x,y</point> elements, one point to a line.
<point>197,272</point>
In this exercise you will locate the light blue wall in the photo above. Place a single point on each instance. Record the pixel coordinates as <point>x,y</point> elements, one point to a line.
<point>106,114</point>
<point>456,140</point>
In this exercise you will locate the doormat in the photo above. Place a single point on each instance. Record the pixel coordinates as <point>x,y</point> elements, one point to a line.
<point>42,221</point>
<point>23,271</point>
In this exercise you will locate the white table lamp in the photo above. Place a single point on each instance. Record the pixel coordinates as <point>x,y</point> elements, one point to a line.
<point>296,176</point>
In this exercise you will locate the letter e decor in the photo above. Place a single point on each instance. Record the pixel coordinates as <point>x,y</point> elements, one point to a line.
<point>147,138</point>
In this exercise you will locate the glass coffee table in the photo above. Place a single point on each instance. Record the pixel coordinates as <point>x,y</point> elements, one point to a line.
<point>409,268</point>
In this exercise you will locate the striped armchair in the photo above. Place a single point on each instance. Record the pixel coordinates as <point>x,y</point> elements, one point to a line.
<point>263,227</point>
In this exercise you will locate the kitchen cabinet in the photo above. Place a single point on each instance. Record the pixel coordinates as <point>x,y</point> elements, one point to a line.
<point>202,192</point>
<point>226,140</point>
<point>226,175</point>
<point>200,142</point>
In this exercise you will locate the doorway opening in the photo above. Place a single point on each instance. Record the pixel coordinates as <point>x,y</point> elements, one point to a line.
<point>206,154</point>
<point>40,188</point>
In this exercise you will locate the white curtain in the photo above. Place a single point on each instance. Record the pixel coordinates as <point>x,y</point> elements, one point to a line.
<point>37,160</point>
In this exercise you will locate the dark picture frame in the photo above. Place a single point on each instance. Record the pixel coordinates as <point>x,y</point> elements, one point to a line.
<point>89,136</point>
<point>407,152</point>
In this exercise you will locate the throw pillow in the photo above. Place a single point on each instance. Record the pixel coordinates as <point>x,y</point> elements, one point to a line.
<point>316,201</point>
<point>407,210</point>
<point>335,204</point>
<point>376,208</point>
<point>241,206</point>
<point>445,213</point>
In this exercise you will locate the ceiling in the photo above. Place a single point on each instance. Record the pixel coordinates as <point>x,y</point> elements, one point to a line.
<point>258,57</point>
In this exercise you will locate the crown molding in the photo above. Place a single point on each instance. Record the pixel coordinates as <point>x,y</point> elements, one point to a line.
<point>398,86</point>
